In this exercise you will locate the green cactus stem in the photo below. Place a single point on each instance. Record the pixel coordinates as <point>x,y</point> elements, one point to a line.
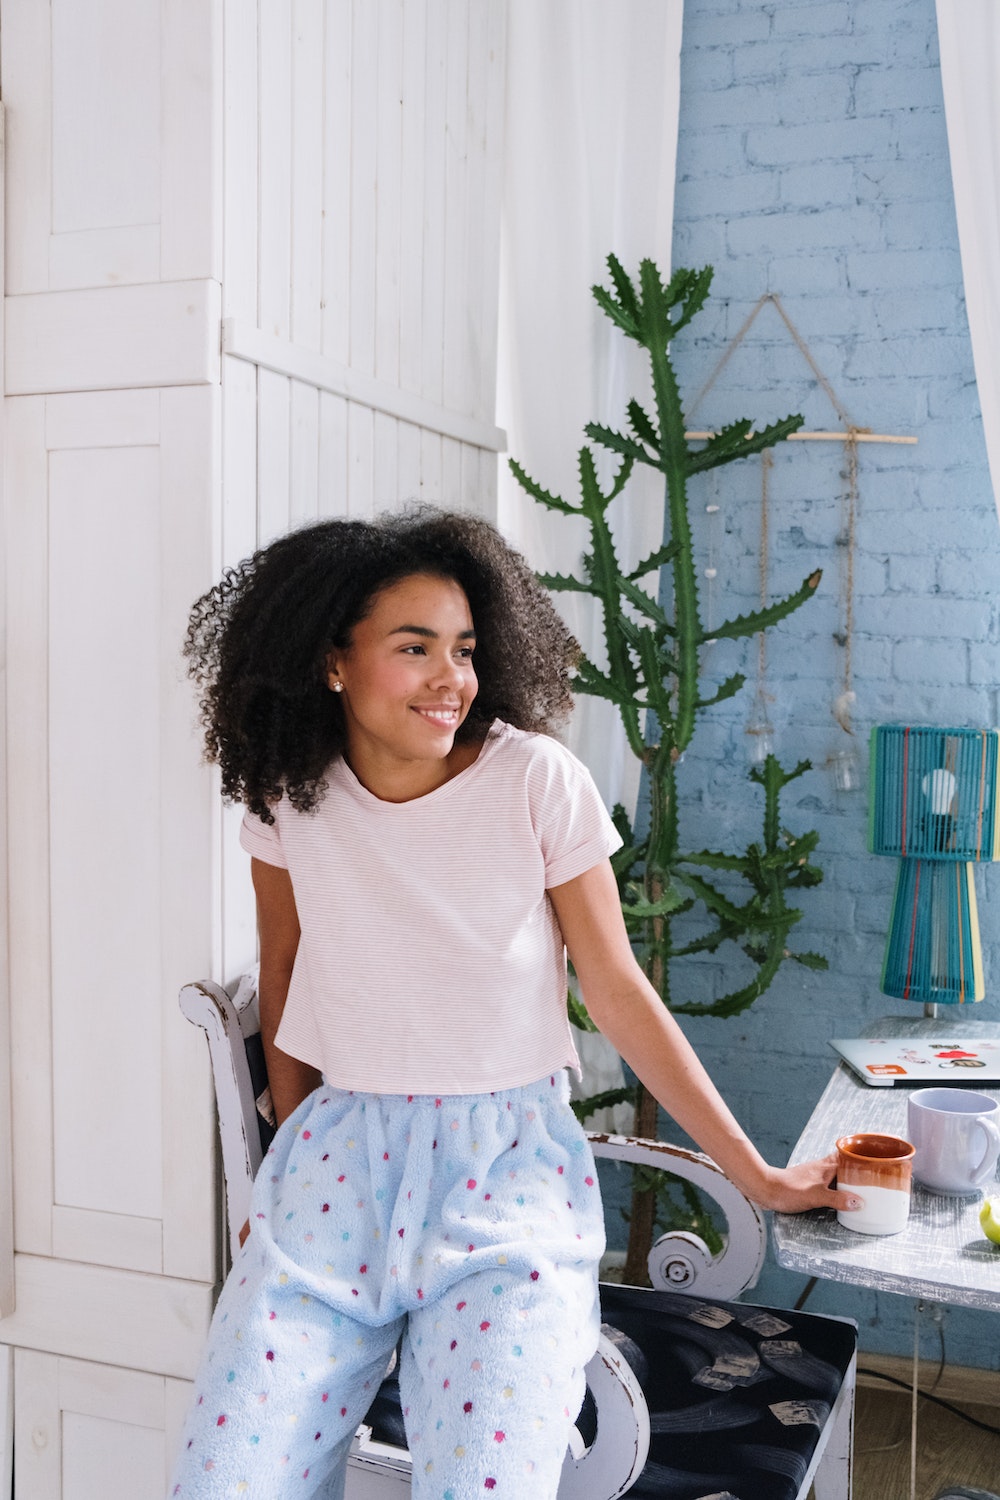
<point>653,679</point>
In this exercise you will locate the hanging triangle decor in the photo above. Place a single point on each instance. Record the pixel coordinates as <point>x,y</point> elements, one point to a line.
<point>844,761</point>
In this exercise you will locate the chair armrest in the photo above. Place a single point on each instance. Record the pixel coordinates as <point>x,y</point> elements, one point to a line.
<point>681,1261</point>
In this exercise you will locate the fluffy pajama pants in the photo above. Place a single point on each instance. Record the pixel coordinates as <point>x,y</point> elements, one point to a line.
<point>471,1226</point>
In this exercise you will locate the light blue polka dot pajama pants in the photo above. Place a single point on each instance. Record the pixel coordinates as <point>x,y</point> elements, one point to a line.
<point>472,1226</point>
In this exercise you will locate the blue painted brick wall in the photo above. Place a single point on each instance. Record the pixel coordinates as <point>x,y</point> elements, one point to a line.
<point>813,163</point>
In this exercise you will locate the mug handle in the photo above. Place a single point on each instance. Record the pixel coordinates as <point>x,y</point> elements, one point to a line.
<point>991,1154</point>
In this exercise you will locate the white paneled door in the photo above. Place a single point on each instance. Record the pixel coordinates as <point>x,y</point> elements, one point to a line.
<point>251,280</point>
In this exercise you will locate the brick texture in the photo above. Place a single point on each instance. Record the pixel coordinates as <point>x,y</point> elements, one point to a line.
<point>813,163</point>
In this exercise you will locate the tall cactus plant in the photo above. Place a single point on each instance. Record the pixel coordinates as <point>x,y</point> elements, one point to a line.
<point>653,641</point>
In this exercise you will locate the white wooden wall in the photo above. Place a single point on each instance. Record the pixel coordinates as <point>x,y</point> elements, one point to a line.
<point>363,176</point>
<point>363,165</point>
<point>251,279</point>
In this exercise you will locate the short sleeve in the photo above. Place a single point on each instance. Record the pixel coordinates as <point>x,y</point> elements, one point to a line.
<point>262,841</point>
<point>573,826</point>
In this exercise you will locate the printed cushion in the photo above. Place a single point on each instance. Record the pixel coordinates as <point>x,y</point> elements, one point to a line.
<point>738,1395</point>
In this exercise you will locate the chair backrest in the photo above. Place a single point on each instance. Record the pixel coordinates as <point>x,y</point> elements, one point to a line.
<point>232,1025</point>
<point>679,1262</point>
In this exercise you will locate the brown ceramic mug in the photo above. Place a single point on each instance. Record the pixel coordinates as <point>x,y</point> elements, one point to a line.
<point>878,1170</point>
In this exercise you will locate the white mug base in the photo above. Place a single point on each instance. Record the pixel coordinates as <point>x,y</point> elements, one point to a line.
<point>885,1210</point>
<point>870,1228</point>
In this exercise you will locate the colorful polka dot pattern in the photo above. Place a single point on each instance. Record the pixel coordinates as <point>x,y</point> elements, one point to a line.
<point>470,1225</point>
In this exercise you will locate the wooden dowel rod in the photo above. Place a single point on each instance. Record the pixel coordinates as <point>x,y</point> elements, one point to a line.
<point>820,437</point>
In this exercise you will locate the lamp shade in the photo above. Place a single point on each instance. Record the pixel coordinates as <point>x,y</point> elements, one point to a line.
<point>935,805</point>
<point>934,793</point>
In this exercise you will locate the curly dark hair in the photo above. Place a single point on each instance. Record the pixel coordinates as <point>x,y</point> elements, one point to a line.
<point>257,644</point>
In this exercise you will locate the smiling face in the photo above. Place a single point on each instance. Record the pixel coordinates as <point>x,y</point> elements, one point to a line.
<point>407,683</point>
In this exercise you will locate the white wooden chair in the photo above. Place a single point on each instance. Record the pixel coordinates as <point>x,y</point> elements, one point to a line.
<point>658,1332</point>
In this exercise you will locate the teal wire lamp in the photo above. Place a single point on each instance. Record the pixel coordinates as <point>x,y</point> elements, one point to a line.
<point>935,805</point>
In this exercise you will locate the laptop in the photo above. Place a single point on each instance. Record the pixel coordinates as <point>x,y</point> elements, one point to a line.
<point>882,1062</point>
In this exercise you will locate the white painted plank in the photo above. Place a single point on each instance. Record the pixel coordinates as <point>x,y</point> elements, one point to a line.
<point>153,1323</point>
<point>106,339</point>
<point>189,552</point>
<point>457,357</point>
<point>434,249</point>
<point>275,145</point>
<point>337,180</point>
<point>388,86</point>
<point>385,463</point>
<point>430,467</point>
<point>191,164</point>
<point>103,1239</point>
<point>253,344</point>
<point>105,114</point>
<point>239,460</point>
<point>6,1116</point>
<point>304,457</point>
<point>177,1397</point>
<point>489,290</point>
<point>105,872</point>
<point>26,87</point>
<point>97,1390</point>
<point>37,1424</point>
<point>6,1421</point>
<point>408,461</point>
<point>96,1451</point>
<point>360,462</point>
<point>307,173</point>
<point>239,185</point>
<point>332,500</point>
<point>103,419</point>
<point>364,187</point>
<point>28,812</point>
<point>411,197</point>
<point>451,474</point>
<point>129,256</point>
<point>475,380</point>
<point>112,1425</point>
<point>235,946</point>
<point>273,455</point>
<point>239,933</point>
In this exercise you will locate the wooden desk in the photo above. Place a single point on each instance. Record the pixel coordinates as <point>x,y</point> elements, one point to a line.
<point>942,1254</point>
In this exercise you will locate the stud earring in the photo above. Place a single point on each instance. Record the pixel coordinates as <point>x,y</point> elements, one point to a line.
<point>337,687</point>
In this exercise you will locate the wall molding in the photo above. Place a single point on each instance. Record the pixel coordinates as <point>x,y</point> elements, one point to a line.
<point>241,340</point>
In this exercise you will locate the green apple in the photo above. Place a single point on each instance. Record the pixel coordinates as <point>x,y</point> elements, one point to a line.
<point>989,1218</point>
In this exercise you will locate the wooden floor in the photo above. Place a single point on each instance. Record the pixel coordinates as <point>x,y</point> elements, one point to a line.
<point>949,1451</point>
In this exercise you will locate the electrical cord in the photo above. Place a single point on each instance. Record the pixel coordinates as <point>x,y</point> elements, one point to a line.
<point>937,1400</point>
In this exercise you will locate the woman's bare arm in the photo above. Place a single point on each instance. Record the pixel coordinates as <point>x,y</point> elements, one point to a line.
<point>623,1003</point>
<point>278,925</point>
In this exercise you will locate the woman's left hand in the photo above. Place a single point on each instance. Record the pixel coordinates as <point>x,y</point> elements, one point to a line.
<point>790,1190</point>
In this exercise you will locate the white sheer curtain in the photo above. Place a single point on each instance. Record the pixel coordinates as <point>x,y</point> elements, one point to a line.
<point>592,102</point>
<point>591,144</point>
<point>969,35</point>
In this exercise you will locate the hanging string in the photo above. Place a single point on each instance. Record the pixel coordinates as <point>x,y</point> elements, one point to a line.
<point>842,705</point>
<point>760,726</point>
